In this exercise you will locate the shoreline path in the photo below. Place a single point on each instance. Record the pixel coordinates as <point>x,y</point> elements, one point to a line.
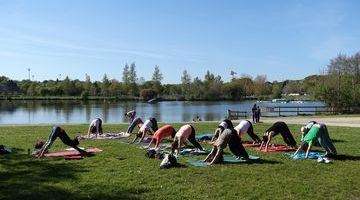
<point>348,121</point>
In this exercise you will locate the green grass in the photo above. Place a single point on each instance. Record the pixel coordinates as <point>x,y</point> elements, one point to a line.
<point>123,172</point>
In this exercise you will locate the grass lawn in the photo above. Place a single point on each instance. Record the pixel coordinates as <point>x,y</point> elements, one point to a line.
<point>123,172</point>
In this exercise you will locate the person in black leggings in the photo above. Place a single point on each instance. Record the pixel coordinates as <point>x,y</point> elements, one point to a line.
<point>227,137</point>
<point>186,132</point>
<point>58,132</point>
<point>275,129</point>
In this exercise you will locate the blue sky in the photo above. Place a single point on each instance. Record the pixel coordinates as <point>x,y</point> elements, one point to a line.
<point>281,39</point>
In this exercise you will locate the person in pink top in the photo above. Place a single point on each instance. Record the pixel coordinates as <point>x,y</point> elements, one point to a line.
<point>161,133</point>
<point>186,132</point>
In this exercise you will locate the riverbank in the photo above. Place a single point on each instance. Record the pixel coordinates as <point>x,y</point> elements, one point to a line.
<point>332,120</point>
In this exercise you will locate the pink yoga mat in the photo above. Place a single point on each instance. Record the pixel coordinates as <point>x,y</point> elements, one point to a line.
<point>71,153</point>
<point>276,148</point>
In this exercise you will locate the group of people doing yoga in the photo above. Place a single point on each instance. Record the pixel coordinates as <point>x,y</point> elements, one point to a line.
<point>313,133</point>
<point>225,135</point>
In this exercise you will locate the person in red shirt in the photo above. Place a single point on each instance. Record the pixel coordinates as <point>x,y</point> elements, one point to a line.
<point>161,133</point>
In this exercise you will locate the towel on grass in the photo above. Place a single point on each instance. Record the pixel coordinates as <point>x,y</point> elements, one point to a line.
<point>227,160</point>
<point>276,148</point>
<point>190,152</point>
<point>159,148</point>
<point>301,155</point>
<point>71,153</point>
<point>108,136</point>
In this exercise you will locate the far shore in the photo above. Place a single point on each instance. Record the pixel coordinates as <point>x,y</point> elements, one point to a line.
<point>330,120</point>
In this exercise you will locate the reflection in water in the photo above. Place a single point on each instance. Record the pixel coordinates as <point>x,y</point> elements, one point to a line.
<point>53,112</point>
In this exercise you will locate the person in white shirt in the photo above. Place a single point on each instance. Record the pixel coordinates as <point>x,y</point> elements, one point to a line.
<point>222,126</point>
<point>149,126</point>
<point>245,126</point>
<point>95,127</point>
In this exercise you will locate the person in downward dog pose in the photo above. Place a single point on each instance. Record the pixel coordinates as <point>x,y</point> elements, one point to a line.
<point>186,132</point>
<point>317,133</point>
<point>149,126</point>
<point>134,121</point>
<point>227,137</point>
<point>222,126</point>
<point>245,126</point>
<point>57,132</point>
<point>275,129</point>
<point>95,127</point>
<point>161,133</point>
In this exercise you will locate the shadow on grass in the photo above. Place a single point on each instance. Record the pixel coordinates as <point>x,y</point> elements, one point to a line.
<point>347,157</point>
<point>25,177</point>
<point>258,161</point>
<point>338,141</point>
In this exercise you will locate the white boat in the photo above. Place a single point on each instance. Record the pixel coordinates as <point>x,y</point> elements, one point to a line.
<point>280,101</point>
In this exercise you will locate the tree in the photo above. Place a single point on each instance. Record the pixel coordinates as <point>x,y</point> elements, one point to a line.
<point>148,94</point>
<point>133,79</point>
<point>185,82</point>
<point>126,74</point>
<point>185,78</point>
<point>157,75</point>
<point>277,90</point>
<point>87,84</point>
<point>132,73</point>
<point>105,86</point>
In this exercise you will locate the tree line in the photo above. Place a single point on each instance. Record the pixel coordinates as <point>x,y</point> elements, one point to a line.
<point>338,87</point>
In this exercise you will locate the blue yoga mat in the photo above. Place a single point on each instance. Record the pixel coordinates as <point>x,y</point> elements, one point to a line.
<point>227,160</point>
<point>301,155</point>
<point>204,136</point>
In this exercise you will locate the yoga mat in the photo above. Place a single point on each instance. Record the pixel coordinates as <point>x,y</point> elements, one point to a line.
<point>72,149</point>
<point>71,153</point>
<point>277,148</point>
<point>159,148</point>
<point>204,136</point>
<point>192,152</point>
<point>301,155</point>
<point>249,144</point>
<point>108,136</point>
<point>73,157</point>
<point>145,140</point>
<point>227,160</point>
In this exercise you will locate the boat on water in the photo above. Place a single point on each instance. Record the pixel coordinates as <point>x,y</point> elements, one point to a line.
<point>154,100</point>
<point>280,101</point>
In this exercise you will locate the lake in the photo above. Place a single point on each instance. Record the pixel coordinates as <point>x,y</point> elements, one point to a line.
<point>59,112</point>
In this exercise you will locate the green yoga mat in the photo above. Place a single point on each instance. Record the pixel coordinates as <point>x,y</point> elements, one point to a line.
<point>227,160</point>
